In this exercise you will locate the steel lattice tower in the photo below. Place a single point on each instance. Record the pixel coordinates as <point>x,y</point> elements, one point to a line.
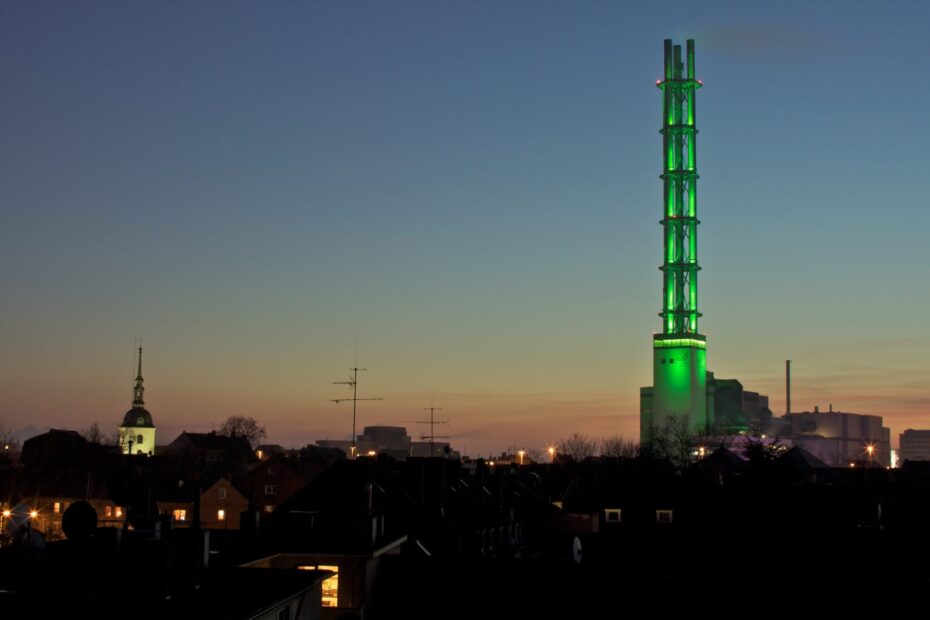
<point>679,360</point>
<point>679,175</point>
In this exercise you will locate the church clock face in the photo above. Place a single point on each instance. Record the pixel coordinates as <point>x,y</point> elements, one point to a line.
<point>140,421</point>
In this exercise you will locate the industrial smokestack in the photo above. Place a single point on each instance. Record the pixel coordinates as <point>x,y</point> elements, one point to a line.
<point>787,387</point>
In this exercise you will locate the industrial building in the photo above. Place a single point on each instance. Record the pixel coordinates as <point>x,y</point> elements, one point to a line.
<point>391,440</point>
<point>914,445</point>
<point>839,439</point>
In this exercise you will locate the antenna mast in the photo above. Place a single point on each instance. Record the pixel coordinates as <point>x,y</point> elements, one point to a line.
<point>353,383</point>
<point>432,423</point>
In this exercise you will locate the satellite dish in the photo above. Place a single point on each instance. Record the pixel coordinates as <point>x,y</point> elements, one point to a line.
<point>577,554</point>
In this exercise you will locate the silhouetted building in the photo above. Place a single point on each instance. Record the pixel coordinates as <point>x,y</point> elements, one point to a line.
<point>209,449</point>
<point>271,482</point>
<point>391,440</point>
<point>734,408</point>
<point>442,449</point>
<point>914,445</point>
<point>221,506</point>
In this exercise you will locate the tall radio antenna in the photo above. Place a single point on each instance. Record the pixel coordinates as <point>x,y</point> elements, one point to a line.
<point>432,423</point>
<point>353,383</point>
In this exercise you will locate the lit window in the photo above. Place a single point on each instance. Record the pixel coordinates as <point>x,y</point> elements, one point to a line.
<point>663,516</point>
<point>221,515</point>
<point>57,507</point>
<point>269,507</point>
<point>139,422</point>
<point>330,585</point>
<point>221,493</point>
<point>612,515</point>
<point>108,511</point>
<point>271,489</point>
<point>180,515</point>
<point>119,511</point>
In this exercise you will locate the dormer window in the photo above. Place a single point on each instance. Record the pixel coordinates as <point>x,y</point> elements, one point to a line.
<point>140,421</point>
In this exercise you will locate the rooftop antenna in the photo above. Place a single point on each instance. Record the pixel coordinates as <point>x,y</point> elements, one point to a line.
<point>432,431</point>
<point>353,383</point>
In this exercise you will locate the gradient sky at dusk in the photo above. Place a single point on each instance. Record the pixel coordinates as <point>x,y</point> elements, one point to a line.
<point>468,193</point>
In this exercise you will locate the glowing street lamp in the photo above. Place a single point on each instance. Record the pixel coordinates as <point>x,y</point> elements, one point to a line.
<point>870,449</point>
<point>551,451</point>
<point>521,453</point>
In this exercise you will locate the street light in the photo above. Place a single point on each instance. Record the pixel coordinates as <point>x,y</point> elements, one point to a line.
<point>521,453</point>
<point>870,448</point>
<point>551,451</point>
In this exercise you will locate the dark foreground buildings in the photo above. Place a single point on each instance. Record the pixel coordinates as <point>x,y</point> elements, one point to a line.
<point>380,538</point>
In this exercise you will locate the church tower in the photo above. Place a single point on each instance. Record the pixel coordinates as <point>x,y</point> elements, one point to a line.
<point>137,432</point>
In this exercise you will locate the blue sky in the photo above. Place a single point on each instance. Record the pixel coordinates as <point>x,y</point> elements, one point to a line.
<point>467,193</point>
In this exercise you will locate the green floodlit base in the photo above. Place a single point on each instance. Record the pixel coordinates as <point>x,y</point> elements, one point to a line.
<point>679,389</point>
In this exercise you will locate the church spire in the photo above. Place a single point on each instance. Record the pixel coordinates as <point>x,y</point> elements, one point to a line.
<point>138,389</point>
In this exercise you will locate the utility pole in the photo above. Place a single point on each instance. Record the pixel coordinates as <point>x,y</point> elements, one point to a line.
<point>353,383</point>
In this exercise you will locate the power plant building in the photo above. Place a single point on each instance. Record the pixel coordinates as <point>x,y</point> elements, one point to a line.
<point>839,439</point>
<point>914,445</point>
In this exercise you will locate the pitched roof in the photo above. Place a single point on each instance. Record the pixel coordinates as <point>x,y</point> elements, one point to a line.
<point>801,459</point>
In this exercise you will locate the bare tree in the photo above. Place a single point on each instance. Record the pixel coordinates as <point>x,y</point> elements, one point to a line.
<point>674,440</point>
<point>243,426</point>
<point>93,434</point>
<point>578,447</point>
<point>618,446</point>
<point>8,441</point>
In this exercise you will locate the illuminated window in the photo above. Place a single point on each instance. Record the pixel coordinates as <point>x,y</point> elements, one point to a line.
<point>271,489</point>
<point>140,421</point>
<point>108,511</point>
<point>612,515</point>
<point>57,507</point>
<point>180,515</point>
<point>221,515</point>
<point>269,507</point>
<point>221,493</point>
<point>663,516</point>
<point>119,511</point>
<point>330,585</point>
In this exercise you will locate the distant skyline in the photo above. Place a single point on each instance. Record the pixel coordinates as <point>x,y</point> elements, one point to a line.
<point>467,194</point>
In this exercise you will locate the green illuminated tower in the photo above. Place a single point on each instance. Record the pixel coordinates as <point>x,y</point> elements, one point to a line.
<point>679,363</point>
